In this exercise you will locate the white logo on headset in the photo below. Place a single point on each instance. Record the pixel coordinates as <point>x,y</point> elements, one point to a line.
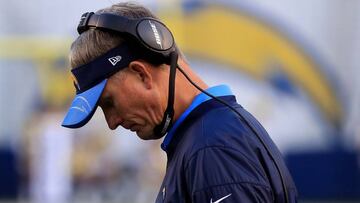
<point>114,60</point>
<point>156,34</point>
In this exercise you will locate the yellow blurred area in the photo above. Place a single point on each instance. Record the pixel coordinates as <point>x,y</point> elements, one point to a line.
<point>230,37</point>
<point>49,56</point>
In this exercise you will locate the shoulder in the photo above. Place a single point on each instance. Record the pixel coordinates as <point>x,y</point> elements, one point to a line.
<point>221,140</point>
<point>219,128</point>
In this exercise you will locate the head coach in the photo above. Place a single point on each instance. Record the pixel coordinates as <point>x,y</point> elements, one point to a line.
<point>125,61</point>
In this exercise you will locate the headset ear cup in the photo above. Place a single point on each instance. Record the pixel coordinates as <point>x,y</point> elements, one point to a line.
<point>155,35</point>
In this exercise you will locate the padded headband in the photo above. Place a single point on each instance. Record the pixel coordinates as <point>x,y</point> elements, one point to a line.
<point>150,32</point>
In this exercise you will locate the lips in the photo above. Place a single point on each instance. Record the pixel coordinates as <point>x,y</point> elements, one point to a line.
<point>129,126</point>
<point>134,127</point>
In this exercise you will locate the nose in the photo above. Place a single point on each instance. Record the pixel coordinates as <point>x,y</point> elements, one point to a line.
<point>112,119</point>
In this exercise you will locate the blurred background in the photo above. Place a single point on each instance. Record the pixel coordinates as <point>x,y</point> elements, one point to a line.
<point>293,64</point>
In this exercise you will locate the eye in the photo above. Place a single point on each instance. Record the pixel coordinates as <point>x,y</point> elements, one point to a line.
<point>107,102</point>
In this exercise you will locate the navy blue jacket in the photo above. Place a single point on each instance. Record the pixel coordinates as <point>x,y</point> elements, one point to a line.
<point>213,156</point>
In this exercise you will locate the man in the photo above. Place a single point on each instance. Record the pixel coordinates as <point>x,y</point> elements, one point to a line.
<point>126,63</point>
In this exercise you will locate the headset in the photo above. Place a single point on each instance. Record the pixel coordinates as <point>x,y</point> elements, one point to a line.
<point>158,42</point>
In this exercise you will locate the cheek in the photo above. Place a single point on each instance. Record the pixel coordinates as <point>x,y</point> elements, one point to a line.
<point>140,105</point>
<point>129,106</point>
<point>123,101</point>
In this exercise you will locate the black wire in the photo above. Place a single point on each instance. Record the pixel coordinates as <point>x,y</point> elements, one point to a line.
<point>248,124</point>
<point>166,122</point>
<point>172,74</point>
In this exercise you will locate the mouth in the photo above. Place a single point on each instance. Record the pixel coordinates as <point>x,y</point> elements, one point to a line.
<point>130,126</point>
<point>134,128</point>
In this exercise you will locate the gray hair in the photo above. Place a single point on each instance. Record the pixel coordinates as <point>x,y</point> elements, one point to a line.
<point>94,43</point>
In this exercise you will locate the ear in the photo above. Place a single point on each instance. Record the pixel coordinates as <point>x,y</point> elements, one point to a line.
<point>142,72</point>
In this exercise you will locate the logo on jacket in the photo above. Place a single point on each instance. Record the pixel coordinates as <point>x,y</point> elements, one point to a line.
<point>221,199</point>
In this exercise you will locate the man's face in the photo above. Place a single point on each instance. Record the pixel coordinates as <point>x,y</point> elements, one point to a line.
<point>132,101</point>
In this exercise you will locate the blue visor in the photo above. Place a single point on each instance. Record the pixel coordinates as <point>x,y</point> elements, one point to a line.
<point>83,106</point>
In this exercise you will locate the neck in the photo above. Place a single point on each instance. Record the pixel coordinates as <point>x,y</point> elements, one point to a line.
<point>185,92</point>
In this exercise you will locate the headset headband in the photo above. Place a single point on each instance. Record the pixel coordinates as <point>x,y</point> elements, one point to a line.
<point>150,32</point>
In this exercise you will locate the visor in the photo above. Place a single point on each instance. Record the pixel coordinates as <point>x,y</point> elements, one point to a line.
<point>90,80</point>
<point>83,106</point>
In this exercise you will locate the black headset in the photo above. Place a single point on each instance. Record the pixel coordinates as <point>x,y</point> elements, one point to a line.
<point>152,34</point>
<point>158,41</point>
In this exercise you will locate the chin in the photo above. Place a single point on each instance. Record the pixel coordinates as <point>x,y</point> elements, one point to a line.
<point>148,135</point>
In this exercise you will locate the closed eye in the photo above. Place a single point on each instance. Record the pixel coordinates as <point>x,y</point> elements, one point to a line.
<point>106,102</point>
